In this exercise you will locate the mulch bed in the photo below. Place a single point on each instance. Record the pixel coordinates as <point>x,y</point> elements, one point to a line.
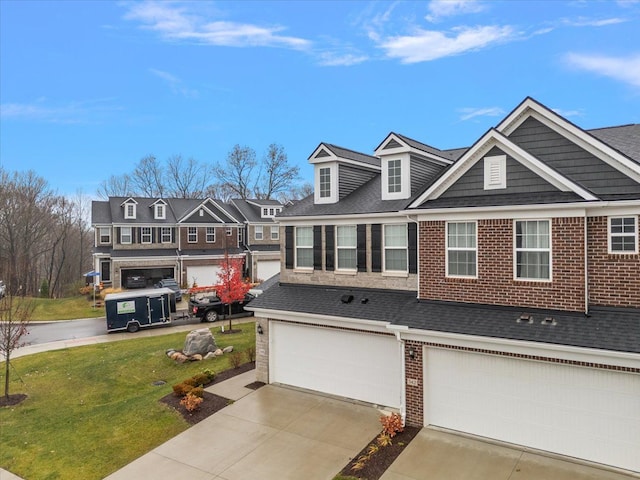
<point>381,460</point>
<point>212,403</point>
<point>12,400</point>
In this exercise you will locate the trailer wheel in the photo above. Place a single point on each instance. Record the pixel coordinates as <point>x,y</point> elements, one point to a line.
<point>133,327</point>
<point>211,316</point>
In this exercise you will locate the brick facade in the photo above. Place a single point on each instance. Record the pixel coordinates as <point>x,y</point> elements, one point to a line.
<point>414,384</point>
<point>222,240</point>
<point>614,279</point>
<point>495,283</point>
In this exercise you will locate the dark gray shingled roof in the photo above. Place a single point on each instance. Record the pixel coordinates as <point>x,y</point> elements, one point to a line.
<point>625,139</point>
<point>421,146</point>
<point>353,155</point>
<point>604,328</point>
<point>252,212</point>
<point>502,200</point>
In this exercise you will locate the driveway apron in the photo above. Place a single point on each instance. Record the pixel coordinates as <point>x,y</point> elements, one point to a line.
<point>270,433</point>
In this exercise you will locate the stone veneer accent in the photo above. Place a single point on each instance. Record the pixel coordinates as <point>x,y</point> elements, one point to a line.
<point>262,350</point>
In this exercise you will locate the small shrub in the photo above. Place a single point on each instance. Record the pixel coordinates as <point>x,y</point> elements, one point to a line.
<point>210,374</point>
<point>392,424</point>
<point>201,378</point>
<point>191,381</point>
<point>182,389</point>
<point>384,439</point>
<point>197,391</point>
<point>251,353</point>
<point>236,359</point>
<point>191,402</point>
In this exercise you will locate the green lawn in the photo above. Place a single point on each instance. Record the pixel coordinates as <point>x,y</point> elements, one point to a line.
<point>93,409</point>
<point>65,308</point>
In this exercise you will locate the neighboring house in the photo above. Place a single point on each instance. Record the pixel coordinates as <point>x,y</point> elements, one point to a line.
<point>185,239</point>
<point>261,238</point>
<point>492,290</point>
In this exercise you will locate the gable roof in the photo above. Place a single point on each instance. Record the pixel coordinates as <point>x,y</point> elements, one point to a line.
<point>395,143</point>
<point>216,210</point>
<point>326,152</point>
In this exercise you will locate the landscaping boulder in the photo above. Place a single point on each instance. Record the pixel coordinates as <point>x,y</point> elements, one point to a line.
<point>218,353</point>
<point>199,341</point>
<point>228,349</point>
<point>209,356</point>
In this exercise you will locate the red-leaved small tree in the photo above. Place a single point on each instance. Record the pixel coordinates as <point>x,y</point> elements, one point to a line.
<point>231,286</point>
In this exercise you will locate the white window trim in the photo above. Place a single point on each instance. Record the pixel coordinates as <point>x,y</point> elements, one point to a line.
<point>295,250</point>
<point>550,250</point>
<point>189,235</point>
<point>229,231</point>
<point>128,215</point>
<point>333,172</point>
<point>275,232</point>
<point>160,211</point>
<point>495,165</point>
<point>610,235</point>
<point>163,235</point>
<point>338,247</point>
<point>100,229</point>
<point>384,251</point>
<point>258,229</point>
<point>207,235</point>
<point>405,189</point>
<point>143,235</point>
<point>467,249</point>
<point>122,229</point>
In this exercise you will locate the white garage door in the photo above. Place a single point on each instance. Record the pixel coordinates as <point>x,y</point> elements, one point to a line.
<point>203,276</point>
<point>265,269</point>
<point>359,366</point>
<point>581,412</point>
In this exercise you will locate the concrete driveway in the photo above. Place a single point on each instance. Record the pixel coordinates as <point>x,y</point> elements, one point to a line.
<point>269,433</point>
<point>440,455</point>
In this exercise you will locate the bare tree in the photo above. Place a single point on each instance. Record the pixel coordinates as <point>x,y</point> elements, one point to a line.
<point>14,320</point>
<point>185,179</point>
<point>297,192</point>
<point>147,177</point>
<point>236,175</point>
<point>277,175</point>
<point>116,186</point>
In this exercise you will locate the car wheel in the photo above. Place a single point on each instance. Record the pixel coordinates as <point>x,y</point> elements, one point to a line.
<point>133,327</point>
<point>211,316</point>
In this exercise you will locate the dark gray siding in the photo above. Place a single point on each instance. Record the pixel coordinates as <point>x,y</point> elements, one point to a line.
<point>519,180</point>
<point>421,172</point>
<point>350,178</point>
<point>571,160</point>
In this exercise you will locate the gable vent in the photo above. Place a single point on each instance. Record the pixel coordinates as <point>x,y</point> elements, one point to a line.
<point>322,153</point>
<point>392,144</point>
<point>495,172</point>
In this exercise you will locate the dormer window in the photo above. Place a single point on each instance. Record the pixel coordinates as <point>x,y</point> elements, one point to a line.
<point>265,212</point>
<point>160,211</point>
<point>394,178</point>
<point>129,210</point>
<point>495,172</point>
<point>326,183</point>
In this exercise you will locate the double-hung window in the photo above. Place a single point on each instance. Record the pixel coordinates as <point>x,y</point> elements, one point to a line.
<point>275,233</point>
<point>192,234</point>
<point>394,176</point>
<point>165,234</point>
<point>346,247</point>
<point>105,235</point>
<point>211,234</point>
<point>145,234</point>
<point>325,182</point>
<point>533,249</point>
<point>395,248</point>
<point>125,235</point>
<point>304,247</point>
<point>462,249</point>
<point>623,235</point>
<point>257,233</point>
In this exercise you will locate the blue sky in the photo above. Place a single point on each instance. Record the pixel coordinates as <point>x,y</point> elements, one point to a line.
<point>88,88</point>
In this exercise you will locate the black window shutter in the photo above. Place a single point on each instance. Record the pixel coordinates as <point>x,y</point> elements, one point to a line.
<point>288,247</point>
<point>376,247</point>
<point>412,231</point>
<point>117,239</point>
<point>317,247</point>
<point>361,231</point>
<point>330,254</point>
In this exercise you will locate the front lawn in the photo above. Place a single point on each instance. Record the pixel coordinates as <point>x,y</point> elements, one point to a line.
<point>91,410</point>
<point>69,308</point>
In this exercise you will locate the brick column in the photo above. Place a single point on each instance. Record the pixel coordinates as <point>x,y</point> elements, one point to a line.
<point>414,382</point>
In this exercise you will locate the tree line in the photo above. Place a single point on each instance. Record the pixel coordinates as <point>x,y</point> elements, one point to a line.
<point>241,175</point>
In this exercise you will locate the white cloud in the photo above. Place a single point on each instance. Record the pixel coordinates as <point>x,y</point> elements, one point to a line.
<point>70,113</point>
<point>623,69</point>
<point>588,22</point>
<point>469,113</point>
<point>178,23</point>
<point>427,45</point>
<point>446,8</point>
<point>175,83</point>
<point>332,59</point>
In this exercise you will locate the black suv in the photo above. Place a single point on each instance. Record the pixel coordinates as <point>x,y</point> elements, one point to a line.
<point>173,285</point>
<point>209,308</point>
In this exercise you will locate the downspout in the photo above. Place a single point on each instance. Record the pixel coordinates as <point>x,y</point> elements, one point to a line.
<point>586,266</point>
<point>397,329</point>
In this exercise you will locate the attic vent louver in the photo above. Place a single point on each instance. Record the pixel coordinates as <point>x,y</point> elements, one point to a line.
<point>346,299</point>
<point>549,321</point>
<point>525,318</point>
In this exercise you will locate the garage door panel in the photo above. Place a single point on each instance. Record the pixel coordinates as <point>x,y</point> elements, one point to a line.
<point>203,275</point>
<point>360,366</point>
<point>265,269</point>
<point>582,412</point>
